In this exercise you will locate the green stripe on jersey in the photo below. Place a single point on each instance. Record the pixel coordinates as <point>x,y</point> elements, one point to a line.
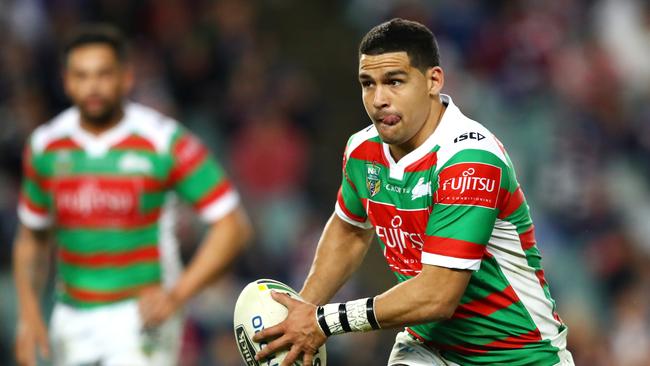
<point>86,241</point>
<point>474,219</point>
<point>35,194</point>
<point>200,181</point>
<point>111,278</point>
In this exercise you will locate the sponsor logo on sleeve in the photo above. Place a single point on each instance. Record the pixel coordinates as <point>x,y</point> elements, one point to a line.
<point>470,184</point>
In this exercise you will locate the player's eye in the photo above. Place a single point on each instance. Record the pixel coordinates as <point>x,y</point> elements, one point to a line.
<point>395,82</point>
<point>366,84</point>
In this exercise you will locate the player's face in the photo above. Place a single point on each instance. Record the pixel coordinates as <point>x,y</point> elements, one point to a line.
<point>96,81</point>
<point>396,95</point>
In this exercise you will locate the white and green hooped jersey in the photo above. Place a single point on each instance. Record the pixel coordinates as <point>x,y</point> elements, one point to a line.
<point>107,199</point>
<point>455,202</point>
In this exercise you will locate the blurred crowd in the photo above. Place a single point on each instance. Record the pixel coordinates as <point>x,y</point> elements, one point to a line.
<point>270,86</point>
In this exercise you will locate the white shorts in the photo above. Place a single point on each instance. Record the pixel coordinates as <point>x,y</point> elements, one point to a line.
<point>409,351</point>
<point>112,335</point>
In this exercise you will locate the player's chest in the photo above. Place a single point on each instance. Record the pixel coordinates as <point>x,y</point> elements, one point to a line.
<point>398,204</point>
<point>117,183</point>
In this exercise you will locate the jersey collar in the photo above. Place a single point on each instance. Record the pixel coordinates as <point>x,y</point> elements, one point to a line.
<point>98,145</point>
<point>396,169</point>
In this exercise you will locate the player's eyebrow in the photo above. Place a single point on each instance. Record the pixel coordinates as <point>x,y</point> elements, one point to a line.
<point>364,76</point>
<point>394,73</point>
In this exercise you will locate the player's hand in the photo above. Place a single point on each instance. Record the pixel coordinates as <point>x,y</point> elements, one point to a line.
<point>156,305</point>
<point>30,335</point>
<point>299,332</point>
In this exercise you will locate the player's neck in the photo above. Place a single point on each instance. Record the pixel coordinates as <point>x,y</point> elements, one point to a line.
<point>98,128</point>
<point>427,129</point>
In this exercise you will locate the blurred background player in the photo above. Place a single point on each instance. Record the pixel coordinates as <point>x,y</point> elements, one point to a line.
<point>440,193</point>
<point>102,176</point>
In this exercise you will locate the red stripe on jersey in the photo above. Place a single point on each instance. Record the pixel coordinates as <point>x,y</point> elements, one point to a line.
<point>128,221</point>
<point>519,341</point>
<point>105,296</point>
<point>453,247</point>
<point>32,206</point>
<point>370,151</point>
<point>148,184</point>
<point>527,238</point>
<point>217,192</point>
<point>510,203</point>
<point>513,342</point>
<point>466,350</point>
<point>188,153</point>
<point>425,163</point>
<point>145,254</point>
<point>62,144</point>
<point>135,142</point>
<point>417,336</point>
<point>28,167</point>
<point>339,199</point>
<point>487,305</point>
<point>540,277</point>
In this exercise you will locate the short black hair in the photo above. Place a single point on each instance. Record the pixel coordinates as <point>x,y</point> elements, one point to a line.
<point>398,35</point>
<point>97,33</point>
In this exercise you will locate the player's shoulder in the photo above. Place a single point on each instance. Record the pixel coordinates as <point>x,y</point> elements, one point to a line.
<point>465,138</point>
<point>152,125</point>
<point>365,139</point>
<point>58,128</point>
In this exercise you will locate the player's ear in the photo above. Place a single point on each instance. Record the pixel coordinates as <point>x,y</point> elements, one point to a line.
<point>435,80</point>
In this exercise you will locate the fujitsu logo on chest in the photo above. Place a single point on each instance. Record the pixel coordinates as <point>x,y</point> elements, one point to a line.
<point>468,181</point>
<point>474,184</point>
<point>90,197</point>
<point>396,237</point>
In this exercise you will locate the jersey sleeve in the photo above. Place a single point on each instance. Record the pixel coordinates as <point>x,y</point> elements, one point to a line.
<point>464,209</point>
<point>349,206</point>
<point>34,204</point>
<point>199,179</point>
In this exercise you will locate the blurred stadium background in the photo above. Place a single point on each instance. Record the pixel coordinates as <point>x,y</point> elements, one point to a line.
<point>271,87</point>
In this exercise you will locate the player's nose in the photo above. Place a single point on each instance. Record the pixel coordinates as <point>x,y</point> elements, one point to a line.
<point>380,99</point>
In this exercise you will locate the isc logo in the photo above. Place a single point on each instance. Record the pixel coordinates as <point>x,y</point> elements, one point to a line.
<point>469,136</point>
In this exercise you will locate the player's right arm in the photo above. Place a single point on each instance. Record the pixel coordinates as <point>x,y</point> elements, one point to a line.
<point>343,244</point>
<point>340,251</point>
<point>30,259</point>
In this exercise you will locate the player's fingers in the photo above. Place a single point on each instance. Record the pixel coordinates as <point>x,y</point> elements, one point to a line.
<point>25,353</point>
<point>292,356</point>
<point>307,359</point>
<point>43,343</point>
<point>282,298</point>
<point>276,330</point>
<point>272,347</point>
<point>22,348</point>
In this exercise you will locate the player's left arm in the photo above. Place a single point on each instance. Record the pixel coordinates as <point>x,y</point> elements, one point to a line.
<point>199,180</point>
<point>465,210</point>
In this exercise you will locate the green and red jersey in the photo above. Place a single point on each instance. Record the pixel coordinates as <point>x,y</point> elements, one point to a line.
<point>110,197</point>
<point>455,202</point>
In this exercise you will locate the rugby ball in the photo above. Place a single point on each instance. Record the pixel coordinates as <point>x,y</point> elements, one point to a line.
<point>255,310</point>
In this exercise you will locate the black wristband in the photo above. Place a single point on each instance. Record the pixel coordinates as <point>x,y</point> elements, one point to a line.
<point>320,315</point>
<point>370,312</point>
<point>343,318</point>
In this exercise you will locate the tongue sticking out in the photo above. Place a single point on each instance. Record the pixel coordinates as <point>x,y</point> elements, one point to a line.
<point>391,119</point>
